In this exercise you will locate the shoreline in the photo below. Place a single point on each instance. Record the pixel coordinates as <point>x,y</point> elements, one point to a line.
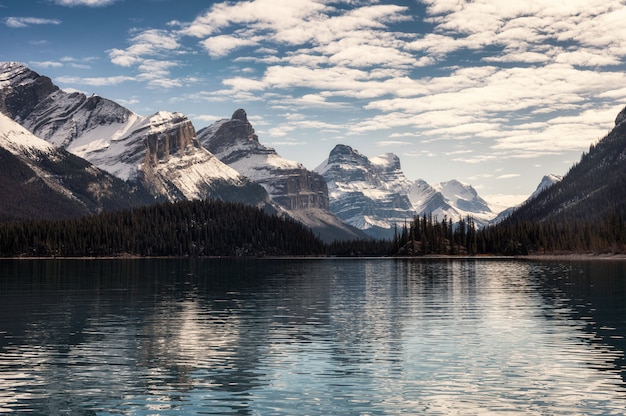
<point>551,257</point>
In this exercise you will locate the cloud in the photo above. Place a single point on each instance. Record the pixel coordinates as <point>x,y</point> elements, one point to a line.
<point>23,22</point>
<point>95,81</point>
<point>528,32</point>
<point>508,176</point>
<point>89,3</point>
<point>47,64</point>
<point>308,101</point>
<point>385,143</point>
<point>515,79</point>
<point>146,44</point>
<point>219,46</point>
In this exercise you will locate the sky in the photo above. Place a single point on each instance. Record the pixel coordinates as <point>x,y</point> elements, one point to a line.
<point>494,93</point>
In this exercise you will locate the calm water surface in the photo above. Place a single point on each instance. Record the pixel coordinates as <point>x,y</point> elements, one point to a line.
<point>312,337</point>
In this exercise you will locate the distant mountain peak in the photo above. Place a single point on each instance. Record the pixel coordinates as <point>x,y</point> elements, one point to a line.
<point>345,155</point>
<point>374,194</point>
<point>241,115</point>
<point>620,117</point>
<point>296,191</point>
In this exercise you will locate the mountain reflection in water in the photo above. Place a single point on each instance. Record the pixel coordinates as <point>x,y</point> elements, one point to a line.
<point>312,336</point>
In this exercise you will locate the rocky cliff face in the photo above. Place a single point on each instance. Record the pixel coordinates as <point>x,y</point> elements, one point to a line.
<point>374,195</point>
<point>289,184</point>
<point>368,194</point>
<point>159,152</point>
<point>300,193</point>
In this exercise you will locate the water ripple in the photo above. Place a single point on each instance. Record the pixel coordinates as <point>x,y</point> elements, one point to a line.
<point>349,337</point>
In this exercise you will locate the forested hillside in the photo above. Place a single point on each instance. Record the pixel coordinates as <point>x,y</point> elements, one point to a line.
<point>188,228</point>
<point>584,212</point>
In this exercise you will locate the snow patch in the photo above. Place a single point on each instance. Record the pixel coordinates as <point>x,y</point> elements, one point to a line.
<point>19,140</point>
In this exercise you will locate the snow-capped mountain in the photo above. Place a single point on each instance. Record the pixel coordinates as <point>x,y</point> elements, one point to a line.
<point>451,199</point>
<point>39,180</point>
<point>546,182</point>
<point>160,152</point>
<point>298,192</point>
<point>375,195</point>
<point>367,194</point>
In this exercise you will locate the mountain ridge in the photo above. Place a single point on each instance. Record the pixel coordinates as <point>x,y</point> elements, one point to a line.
<point>162,153</point>
<point>297,191</point>
<point>375,195</point>
<point>142,150</point>
<point>41,181</point>
<point>592,188</point>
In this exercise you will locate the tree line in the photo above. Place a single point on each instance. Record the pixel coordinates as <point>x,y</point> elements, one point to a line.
<point>558,235</point>
<point>186,228</point>
<point>217,228</point>
<point>426,235</point>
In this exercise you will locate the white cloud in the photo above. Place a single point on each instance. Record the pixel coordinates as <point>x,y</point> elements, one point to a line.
<point>47,64</point>
<point>146,44</point>
<point>513,80</point>
<point>508,176</point>
<point>22,22</point>
<point>95,81</point>
<point>280,131</point>
<point>306,101</point>
<point>219,46</point>
<point>385,143</point>
<point>89,3</point>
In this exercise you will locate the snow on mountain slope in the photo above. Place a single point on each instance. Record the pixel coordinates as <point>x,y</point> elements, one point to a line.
<point>39,180</point>
<point>296,191</point>
<point>160,151</point>
<point>546,182</point>
<point>367,194</point>
<point>375,195</point>
<point>21,142</point>
<point>465,201</point>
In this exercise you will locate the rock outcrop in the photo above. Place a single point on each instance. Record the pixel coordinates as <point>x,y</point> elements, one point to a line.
<point>159,152</point>
<point>299,192</point>
<point>289,184</point>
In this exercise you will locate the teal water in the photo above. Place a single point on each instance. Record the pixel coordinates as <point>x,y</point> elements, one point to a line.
<point>312,337</point>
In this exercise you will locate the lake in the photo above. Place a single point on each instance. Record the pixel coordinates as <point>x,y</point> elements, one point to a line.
<point>312,337</point>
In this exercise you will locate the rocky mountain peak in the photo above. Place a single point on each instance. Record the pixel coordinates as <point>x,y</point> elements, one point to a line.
<point>344,154</point>
<point>366,193</point>
<point>240,115</point>
<point>159,153</point>
<point>21,89</point>
<point>295,190</point>
<point>230,140</point>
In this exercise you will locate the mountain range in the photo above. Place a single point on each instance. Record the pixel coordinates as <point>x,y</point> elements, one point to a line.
<point>374,195</point>
<point>136,160</point>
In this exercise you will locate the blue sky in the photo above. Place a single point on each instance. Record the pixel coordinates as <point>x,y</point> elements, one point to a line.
<point>494,93</point>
